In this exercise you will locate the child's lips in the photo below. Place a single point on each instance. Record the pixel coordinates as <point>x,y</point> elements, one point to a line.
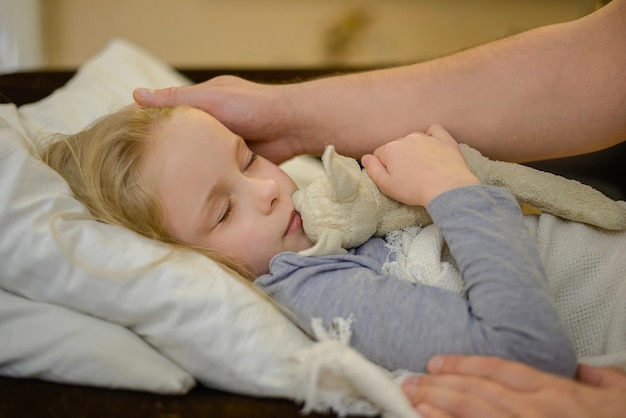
<point>295,223</point>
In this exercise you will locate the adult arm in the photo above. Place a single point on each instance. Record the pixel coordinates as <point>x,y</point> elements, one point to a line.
<point>468,386</point>
<point>550,92</point>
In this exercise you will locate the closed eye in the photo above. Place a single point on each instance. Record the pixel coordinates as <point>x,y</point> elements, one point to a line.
<point>227,212</point>
<point>253,158</point>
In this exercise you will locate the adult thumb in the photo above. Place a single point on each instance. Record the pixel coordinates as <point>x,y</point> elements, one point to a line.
<point>170,96</point>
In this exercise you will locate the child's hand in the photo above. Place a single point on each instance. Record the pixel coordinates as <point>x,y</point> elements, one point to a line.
<point>419,167</point>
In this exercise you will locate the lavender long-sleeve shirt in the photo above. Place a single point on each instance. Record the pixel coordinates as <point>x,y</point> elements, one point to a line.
<point>508,311</point>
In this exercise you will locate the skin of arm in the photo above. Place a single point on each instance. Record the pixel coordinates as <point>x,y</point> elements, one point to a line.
<point>550,92</point>
<point>472,386</point>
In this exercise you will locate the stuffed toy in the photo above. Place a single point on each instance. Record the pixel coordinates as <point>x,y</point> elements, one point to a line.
<point>344,208</point>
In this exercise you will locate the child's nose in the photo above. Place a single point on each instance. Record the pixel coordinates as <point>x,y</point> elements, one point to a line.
<point>267,193</point>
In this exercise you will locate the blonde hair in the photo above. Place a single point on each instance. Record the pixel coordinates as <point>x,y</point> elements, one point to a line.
<point>104,166</point>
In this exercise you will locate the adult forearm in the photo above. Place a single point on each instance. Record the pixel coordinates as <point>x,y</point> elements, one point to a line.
<point>553,91</point>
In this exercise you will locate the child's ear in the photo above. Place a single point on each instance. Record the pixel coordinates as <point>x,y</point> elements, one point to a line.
<point>344,175</point>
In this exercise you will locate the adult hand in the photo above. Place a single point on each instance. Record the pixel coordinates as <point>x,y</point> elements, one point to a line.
<point>419,167</point>
<point>259,113</point>
<point>473,386</point>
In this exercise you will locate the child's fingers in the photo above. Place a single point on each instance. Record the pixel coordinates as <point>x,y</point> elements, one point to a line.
<point>376,170</point>
<point>440,132</point>
<point>367,159</point>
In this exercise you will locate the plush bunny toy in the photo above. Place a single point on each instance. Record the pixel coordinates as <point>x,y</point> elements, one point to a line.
<point>344,208</point>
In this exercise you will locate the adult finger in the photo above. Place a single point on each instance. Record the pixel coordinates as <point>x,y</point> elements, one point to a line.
<point>460,399</point>
<point>512,374</point>
<point>500,396</point>
<point>171,96</point>
<point>274,151</point>
<point>602,377</point>
<point>428,411</point>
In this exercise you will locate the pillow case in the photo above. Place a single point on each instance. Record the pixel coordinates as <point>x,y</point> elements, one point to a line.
<point>50,342</point>
<point>53,343</point>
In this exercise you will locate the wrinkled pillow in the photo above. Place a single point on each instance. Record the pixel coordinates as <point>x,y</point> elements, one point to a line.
<point>53,343</point>
<point>41,340</point>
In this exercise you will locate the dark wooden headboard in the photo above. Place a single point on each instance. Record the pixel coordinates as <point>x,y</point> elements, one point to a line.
<point>27,87</point>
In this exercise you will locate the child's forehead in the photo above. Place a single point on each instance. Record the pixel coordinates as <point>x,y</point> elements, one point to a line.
<point>192,113</point>
<point>192,128</point>
<point>192,117</point>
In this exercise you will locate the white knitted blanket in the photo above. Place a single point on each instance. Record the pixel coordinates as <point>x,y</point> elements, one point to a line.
<point>586,268</point>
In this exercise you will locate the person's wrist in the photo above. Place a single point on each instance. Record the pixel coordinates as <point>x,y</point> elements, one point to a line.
<point>451,184</point>
<point>307,133</point>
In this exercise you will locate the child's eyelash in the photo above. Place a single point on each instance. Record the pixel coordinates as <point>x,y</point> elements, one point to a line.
<point>229,207</point>
<point>226,214</point>
<point>252,160</point>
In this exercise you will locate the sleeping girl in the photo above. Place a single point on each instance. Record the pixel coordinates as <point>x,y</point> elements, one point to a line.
<point>178,176</point>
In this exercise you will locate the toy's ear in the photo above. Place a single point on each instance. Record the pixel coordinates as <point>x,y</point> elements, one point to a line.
<point>344,175</point>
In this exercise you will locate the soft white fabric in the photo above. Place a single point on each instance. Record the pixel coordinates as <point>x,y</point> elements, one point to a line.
<point>102,85</point>
<point>331,371</point>
<point>586,271</point>
<point>435,266</point>
<point>182,304</point>
<point>50,342</point>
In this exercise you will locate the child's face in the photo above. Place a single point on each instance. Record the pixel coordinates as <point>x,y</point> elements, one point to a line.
<point>217,194</point>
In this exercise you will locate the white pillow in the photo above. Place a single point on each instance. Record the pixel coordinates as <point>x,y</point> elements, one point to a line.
<point>54,343</point>
<point>51,342</point>
<point>102,85</point>
<point>187,308</point>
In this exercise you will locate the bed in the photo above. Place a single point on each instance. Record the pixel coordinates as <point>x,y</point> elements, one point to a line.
<point>54,386</point>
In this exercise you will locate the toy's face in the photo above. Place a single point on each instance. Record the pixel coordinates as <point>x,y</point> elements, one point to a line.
<point>336,209</point>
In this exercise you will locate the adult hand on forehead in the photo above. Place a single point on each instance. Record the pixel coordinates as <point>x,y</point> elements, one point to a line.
<point>473,386</point>
<point>249,109</point>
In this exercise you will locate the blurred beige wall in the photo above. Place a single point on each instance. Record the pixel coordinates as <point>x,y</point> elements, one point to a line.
<point>291,33</point>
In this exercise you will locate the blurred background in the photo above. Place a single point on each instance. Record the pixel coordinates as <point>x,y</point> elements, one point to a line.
<point>266,33</point>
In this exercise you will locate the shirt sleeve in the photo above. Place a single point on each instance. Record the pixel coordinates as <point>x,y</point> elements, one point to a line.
<point>508,312</point>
